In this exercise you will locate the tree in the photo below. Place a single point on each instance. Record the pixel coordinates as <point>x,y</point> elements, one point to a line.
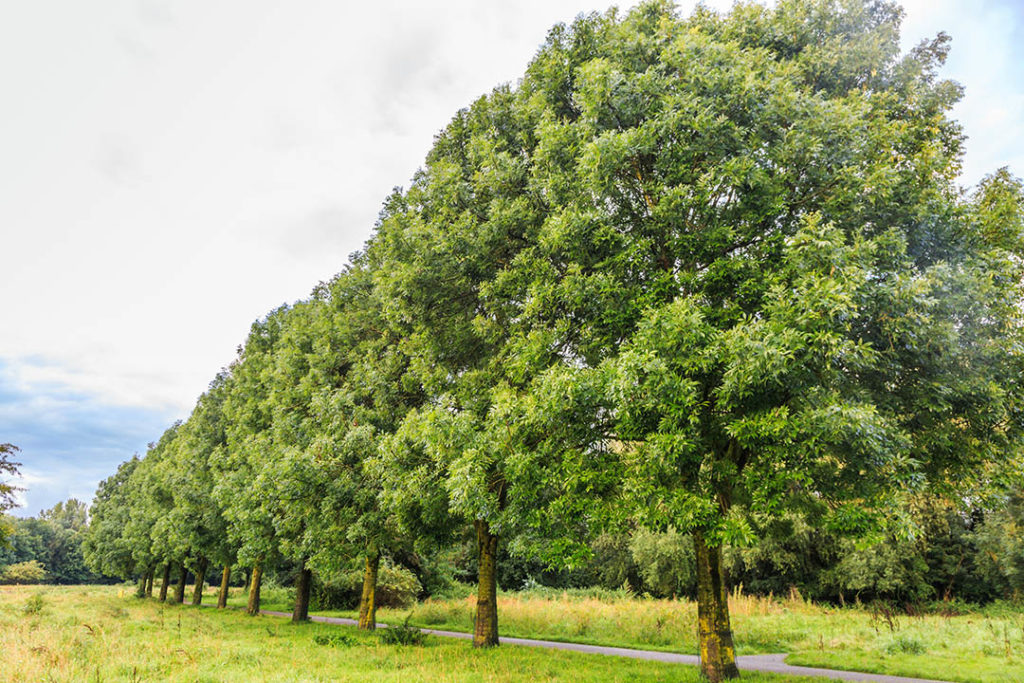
<point>346,393</point>
<point>244,489</point>
<point>106,548</point>
<point>755,242</point>
<point>460,456</point>
<point>195,527</point>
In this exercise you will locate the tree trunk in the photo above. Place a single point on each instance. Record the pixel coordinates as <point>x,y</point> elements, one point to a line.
<point>197,593</point>
<point>222,597</point>
<point>302,586</point>
<point>717,654</point>
<point>253,607</point>
<point>140,590</point>
<point>485,629</point>
<point>149,582</point>
<point>166,583</point>
<point>179,590</point>
<point>368,601</point>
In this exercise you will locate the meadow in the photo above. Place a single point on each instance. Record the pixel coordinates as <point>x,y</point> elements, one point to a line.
<point>104,633</point>
<point>972,645</point>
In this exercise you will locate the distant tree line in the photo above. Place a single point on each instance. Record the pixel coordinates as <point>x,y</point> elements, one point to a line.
<point>697,297</point>
<point>47,548</point>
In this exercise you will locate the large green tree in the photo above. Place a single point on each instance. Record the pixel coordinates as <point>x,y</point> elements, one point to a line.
<point>244,487</point>
<point>363,393</point>
<point>459,457</point>
<point>106,548</point>
<point>754,241</point>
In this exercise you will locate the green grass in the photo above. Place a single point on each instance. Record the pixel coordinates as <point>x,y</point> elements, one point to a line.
<point>102,633</point>
<point>985,646</point>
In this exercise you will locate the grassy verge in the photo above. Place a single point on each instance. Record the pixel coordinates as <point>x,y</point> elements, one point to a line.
<point>984,646</point>
<point>102,633</point>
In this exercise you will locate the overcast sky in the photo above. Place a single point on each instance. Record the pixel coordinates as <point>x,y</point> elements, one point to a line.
<point>171,171</point>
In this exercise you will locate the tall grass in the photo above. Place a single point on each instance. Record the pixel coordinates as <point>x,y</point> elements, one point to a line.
<point>951,642</point>
<point>610,618</point>
<point>962,645</point>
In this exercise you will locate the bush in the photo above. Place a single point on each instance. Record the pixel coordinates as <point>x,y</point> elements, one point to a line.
<point>34,605</point>
<point>24,573</point>
<point>402,635</point>
<point>396,587</point>
<point>905,645</point>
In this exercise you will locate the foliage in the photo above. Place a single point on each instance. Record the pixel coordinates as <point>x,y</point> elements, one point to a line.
<point>105,547</point>
<point>402,634</point>
<point>24,572</point>
<point>1000,543</point>
<point>53,539</point>
<point>35,604</point>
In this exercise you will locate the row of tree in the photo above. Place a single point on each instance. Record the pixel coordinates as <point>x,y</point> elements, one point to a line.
<point>695,273</point>
<point>970,555</point>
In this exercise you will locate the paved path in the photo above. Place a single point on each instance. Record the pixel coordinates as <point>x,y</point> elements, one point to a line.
<point>764,663</point>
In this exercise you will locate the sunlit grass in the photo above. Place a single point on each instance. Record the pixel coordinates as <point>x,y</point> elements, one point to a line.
<point>90,633</point>
<point>975,647</point>
<point>984,646</point>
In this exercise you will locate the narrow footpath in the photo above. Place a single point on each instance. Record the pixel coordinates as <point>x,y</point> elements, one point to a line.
<point>765,663</point>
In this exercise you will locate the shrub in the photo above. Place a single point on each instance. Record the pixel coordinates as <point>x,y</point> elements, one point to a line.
<point>34,605</point>
<point>905,645</point>
<point>24,573</point>
<point>402,635</point>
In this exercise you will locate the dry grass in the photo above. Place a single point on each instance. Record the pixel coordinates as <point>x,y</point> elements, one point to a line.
<point>973,647</point>
<point>657,624</point>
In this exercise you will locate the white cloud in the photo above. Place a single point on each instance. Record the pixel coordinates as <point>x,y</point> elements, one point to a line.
<point>986,58</point>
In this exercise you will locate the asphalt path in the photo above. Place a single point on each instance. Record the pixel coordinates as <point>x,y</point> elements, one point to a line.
<point>765,663</point>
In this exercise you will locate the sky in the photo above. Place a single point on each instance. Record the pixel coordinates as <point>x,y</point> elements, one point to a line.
<point>171,171</point>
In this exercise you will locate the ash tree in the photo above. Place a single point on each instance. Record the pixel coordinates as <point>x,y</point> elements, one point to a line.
<point>456,459</point>
<point>151,508</point>
<point>362,394</point>
<point>244,488</point>
<point>106,548</point>
<point>754,241</point>
<point>194,529</point>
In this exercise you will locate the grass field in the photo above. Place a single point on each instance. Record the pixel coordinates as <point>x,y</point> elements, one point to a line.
<point>93,633</point>
<point>984,646</point>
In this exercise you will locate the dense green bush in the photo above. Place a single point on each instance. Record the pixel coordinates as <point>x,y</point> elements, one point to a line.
<point>402,634</point>
<point>24,573</point>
